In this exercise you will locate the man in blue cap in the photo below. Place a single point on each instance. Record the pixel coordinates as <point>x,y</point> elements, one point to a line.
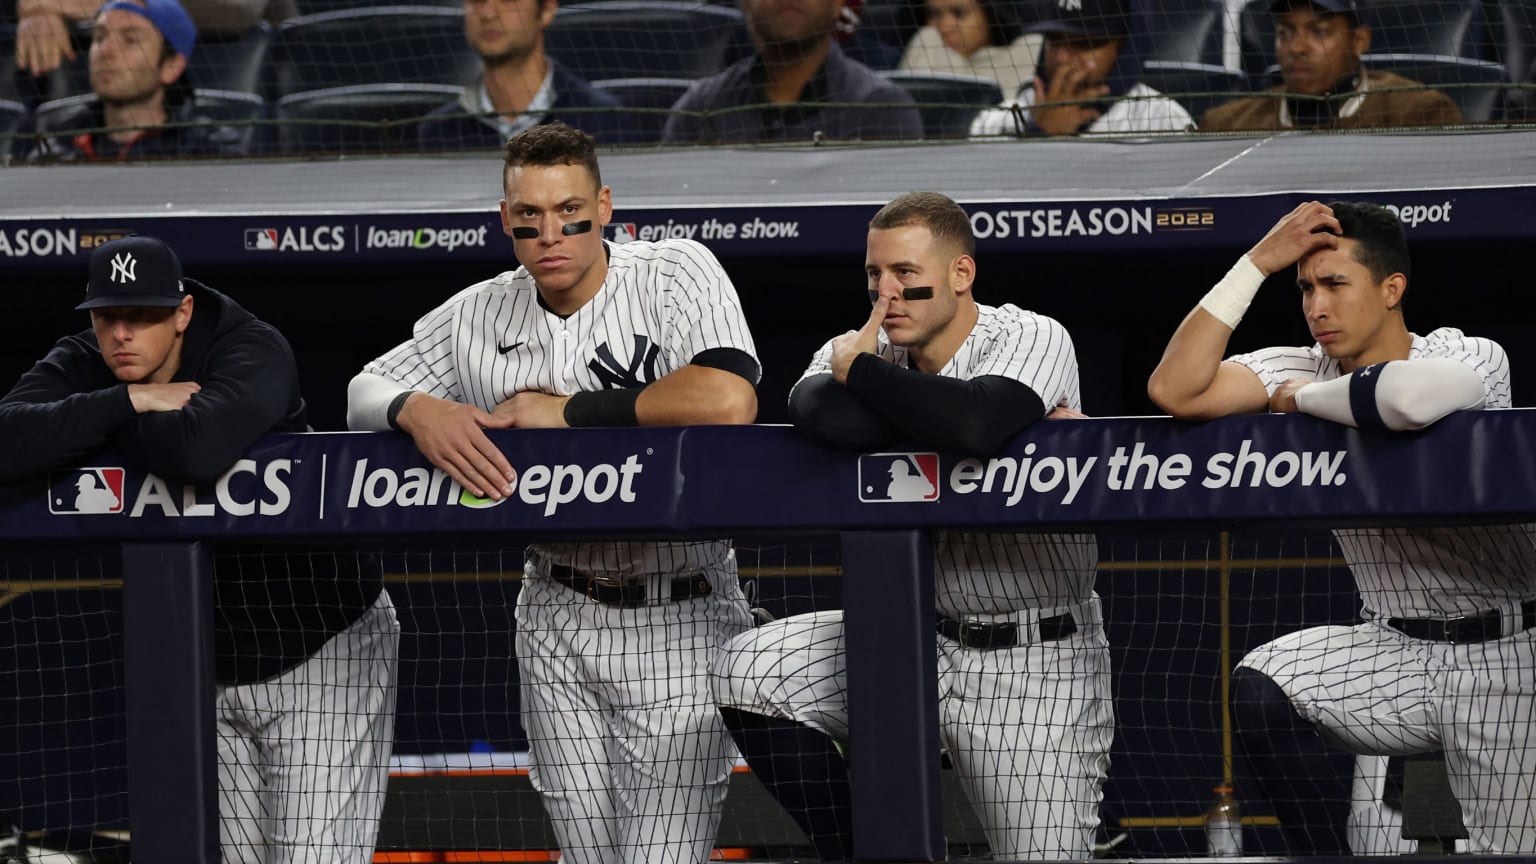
<point>1318,44</point>
<point>181,381</point>
<point>138,65</point>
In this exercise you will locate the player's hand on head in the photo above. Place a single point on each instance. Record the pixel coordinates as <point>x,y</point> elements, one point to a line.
<point>865,340</point>
<point>452,437</point>
<point>534,410</point>
<point>161,397</point>
<point>1284,399</point>
<point>1308,228</point>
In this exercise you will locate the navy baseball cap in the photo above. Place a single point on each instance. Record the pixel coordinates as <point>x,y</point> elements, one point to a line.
<point>1348,7</point>
<point>169,18</point>
<point>1094,18</point>
<point>134,271</point>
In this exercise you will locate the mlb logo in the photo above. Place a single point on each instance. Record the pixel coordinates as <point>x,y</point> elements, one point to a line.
<point>260,239</point>
<point>622,232</point>
<point>86,491</point>
<point>892,477</point>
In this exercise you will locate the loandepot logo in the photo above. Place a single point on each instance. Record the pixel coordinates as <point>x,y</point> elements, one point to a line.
<point>444,239</point>
<point>896,477</point>
<point>548,485</point>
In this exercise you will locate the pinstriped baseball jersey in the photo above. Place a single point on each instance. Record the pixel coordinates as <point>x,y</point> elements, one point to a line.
<point>1424,572</point>
<point>661,305</point>
<point>983,573</point>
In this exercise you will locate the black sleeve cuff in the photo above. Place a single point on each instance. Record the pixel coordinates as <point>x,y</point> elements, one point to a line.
<point>603,408</point>
<point>392,415</point>
<point>731,360</point>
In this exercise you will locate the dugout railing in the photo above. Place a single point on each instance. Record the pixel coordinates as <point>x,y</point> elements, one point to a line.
<point>1136,474</point>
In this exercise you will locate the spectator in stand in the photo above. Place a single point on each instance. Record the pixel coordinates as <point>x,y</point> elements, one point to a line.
<point>138,64</point>
<point>1319,44</point>
<point>796,65</point>
<point>974,37</point>
<point>1089,81</point>
<point>43,26</point>
<point>519,86</point>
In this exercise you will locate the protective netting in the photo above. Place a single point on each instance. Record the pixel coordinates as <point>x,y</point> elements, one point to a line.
<point>355,77</point>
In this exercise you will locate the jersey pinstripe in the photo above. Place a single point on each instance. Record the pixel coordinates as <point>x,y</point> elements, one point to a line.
<point>1425,572</point>
<point>661,305</point>
<point>993,573</point>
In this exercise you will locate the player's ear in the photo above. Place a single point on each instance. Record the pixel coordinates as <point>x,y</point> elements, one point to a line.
<point>506,219</point>
<point>1393,290</point>
<point>184,314</point>
<point>604,206</point>
<point>962,273</point>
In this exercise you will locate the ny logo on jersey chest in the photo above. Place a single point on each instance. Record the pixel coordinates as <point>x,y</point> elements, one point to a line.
<point>639,371</point>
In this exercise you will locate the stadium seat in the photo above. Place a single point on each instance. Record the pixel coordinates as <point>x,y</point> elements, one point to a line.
<point>1453,28</point>
<point>356,109</point>
<point>236,63</point>
<point>1514,37</point>
<point>1477,101</point>
<point>1187,31</point>
<point>408,44</point>
<point>645,38</point>
<point>241,111</point>
<point>949,120</point>
<point>1197,86</point>
<point>1520,105</point>
<point>14,118</point>
<point>661,93</point>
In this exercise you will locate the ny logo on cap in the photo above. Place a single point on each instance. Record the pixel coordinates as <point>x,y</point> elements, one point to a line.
<point>123,265</point>
<point>1070,5</point>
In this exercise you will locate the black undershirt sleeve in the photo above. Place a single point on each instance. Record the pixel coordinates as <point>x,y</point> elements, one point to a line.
<point>975,416</point>
<point>731,360</point>
<point>830,415</point>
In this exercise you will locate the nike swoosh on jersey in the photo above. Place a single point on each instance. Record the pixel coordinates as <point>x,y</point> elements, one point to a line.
<point>505,348</point>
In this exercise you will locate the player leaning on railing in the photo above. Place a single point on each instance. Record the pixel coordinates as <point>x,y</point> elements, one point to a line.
<point>1023,662</point>
<point>1446,658</point>
<point>614,638</point>
<point>180,380</point>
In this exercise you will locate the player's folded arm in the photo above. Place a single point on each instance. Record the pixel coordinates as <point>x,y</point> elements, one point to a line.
<point>48,420</point>
<point>976,415</point>
<point>248,392</point>
<point>1398,395</point>
<point>719,386</point>
<point>830,415</point>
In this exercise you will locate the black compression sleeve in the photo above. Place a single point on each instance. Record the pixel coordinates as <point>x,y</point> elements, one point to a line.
<point>828,414</point>
<point>731,360</point>
<point>977,416</point>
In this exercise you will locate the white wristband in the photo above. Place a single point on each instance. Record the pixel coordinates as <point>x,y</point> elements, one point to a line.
<point>1229,299</point>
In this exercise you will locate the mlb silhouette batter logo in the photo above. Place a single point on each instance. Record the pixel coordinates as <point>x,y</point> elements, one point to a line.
<point>86,491</point>
<point>888,477</point>
<point>622,232</point>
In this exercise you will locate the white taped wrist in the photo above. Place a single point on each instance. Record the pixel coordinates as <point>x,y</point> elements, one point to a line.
<point>1229,299</point>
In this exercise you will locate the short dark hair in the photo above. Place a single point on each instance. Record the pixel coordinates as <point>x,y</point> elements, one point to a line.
<point>943,218</point>
<point>1378,235</point>
<point>552,144</point>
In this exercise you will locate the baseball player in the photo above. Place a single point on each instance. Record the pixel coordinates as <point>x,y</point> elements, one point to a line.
<point>1024,681</point>
<point>1446,657</point>
<point>613,638</point>
<point>181,380</point>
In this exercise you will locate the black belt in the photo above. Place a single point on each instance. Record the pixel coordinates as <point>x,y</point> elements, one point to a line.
<point>626,592</point>
<point>991,637</point>
<point>1481,627</point>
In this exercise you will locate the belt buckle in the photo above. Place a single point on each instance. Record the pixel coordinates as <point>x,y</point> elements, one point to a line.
<point>973,633</point>
<point>1449,625</point>
<point>606,582</point>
